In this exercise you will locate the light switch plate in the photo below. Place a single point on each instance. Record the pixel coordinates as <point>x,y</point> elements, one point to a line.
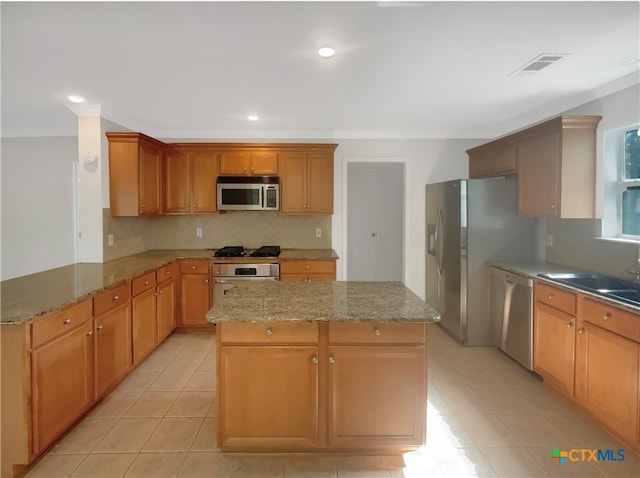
<point>318,232</point>
<point>110,239</point>
<point>549,240</point>
<point>198,232</point>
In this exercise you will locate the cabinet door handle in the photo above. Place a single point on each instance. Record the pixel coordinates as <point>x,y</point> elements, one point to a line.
<point>66,321</point>
<point>569,325</point>
<point>99,327</point>
<point>377,332</point>
<point>269,332</point>
<point>115,297</point>
<point>581,330</point>
<point>90,332</point>
<point>606,316</point>
<point>332,360</point>
<point>314,360</point>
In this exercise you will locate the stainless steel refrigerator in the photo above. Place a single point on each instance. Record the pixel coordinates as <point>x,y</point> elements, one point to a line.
<point>470,224</point>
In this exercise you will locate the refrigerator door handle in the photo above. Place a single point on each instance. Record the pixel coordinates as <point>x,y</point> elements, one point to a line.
<point>438,241</point>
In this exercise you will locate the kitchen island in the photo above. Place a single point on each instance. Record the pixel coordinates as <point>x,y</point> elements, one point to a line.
<point>321,367</point>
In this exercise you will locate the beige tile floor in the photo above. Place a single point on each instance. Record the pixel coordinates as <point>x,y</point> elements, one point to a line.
<point>487,417</point>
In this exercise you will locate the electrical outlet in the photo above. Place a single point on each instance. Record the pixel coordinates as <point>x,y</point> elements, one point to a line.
<point>318,232</point>
<point>198,232</point>
<point>110,239</point>
<point>549,240</point>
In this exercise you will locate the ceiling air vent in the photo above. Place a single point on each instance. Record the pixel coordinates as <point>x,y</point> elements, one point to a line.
<point>540,62</point>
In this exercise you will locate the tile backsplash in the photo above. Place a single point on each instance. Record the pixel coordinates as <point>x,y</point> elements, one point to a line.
<point>251,229</point>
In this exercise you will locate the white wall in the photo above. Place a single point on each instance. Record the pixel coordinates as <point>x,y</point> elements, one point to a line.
<point>37,204</point>
<point>427,161</point>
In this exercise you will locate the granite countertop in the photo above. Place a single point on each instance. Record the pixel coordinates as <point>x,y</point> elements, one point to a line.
<point>30,296</point>
<point>308,254</point>
<point>532,269</point>
<point>251,301</point>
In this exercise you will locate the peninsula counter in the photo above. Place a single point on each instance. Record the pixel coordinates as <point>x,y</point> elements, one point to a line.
<point>321,367</point>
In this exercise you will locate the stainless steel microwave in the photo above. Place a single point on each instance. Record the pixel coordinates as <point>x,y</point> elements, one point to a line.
<point>248,193</point>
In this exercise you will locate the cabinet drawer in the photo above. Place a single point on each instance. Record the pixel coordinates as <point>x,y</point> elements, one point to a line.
<point>555,297</point>
<point>612,318</point>
<point>110,299</point>
<point>275,333</point>
<point>307,267</point>
<point>59,323</point>
<point>142,283</point>
<point>164,273</point>
<point>376,333</point>
<point>194,267</point>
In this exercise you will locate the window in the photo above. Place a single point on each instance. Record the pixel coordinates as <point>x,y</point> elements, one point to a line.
<point>629,185</point>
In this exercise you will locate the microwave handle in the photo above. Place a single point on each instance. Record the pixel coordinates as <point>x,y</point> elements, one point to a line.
<point>262,197</point>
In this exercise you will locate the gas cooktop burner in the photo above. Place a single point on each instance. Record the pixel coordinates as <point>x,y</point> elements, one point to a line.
<point>239,251</point>
<point>266,251</point>
<point>230,251</point>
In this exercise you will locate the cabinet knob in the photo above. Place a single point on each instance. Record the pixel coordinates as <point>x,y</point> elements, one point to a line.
<point>193,267</point>
<point>66,321</point>
<point>90,332</point>
<point>550,296</point>
<point>314,360</point>
<point>161,292</point>
<point>377,332</point>
<point>206,281</point>
<point>269,332</point>
<point>581,330</point>
<point>99,327</point>
<point>146,282</point>
<point>606,316</point>
<point>569,325</point>
<point>167,273</point>
<point>332,360</point>
<point>307,266</point>
<point>115,297</point>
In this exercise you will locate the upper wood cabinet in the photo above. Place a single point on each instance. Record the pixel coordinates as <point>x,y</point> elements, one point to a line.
<point>492,160</point>
<point>147,176</point>
<point>248,162</point>
<point>135,174</point>
<point>190,181</point>
<point>306,182</point>
<point>557,168</point>
<point>555,162</point>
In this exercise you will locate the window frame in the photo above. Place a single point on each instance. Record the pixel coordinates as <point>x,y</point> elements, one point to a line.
<point>623,184</point>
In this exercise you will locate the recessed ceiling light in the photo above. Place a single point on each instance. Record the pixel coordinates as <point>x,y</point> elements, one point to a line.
<point>76,99</point>
<point>253,117</point>
<point>326,52</point>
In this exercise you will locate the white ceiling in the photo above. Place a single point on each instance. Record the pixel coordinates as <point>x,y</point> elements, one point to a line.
<point>196,70</point>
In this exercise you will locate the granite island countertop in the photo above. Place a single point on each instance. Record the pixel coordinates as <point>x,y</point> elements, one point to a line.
<point>341,301</point>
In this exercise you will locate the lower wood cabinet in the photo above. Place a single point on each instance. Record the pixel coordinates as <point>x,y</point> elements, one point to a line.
<point>374,392</point>
<point>61,374</point>
<point>112,343</point>
<point>554,337</point>
<point>307,270</point>
<point>143,316</point>
<point>608,367</point>
<point>270,397</point>
<point>195,293</point>
<point>166,309</point>
<point>592,357</point>
<point>308,387</point>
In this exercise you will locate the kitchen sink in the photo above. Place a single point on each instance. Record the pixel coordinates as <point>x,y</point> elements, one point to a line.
<point>601,284</point>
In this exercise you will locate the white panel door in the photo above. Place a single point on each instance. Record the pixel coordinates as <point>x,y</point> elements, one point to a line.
<point>375,221</point>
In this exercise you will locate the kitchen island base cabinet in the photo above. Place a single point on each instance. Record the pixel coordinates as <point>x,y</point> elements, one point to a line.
<point>270,398</point>
<point>377,397</point>
<point>305,387</point>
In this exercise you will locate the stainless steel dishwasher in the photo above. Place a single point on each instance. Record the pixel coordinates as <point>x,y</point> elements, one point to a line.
<point>511,312</point>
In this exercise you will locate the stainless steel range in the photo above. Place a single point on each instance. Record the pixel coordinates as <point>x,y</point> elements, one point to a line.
<point>225,274</point>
